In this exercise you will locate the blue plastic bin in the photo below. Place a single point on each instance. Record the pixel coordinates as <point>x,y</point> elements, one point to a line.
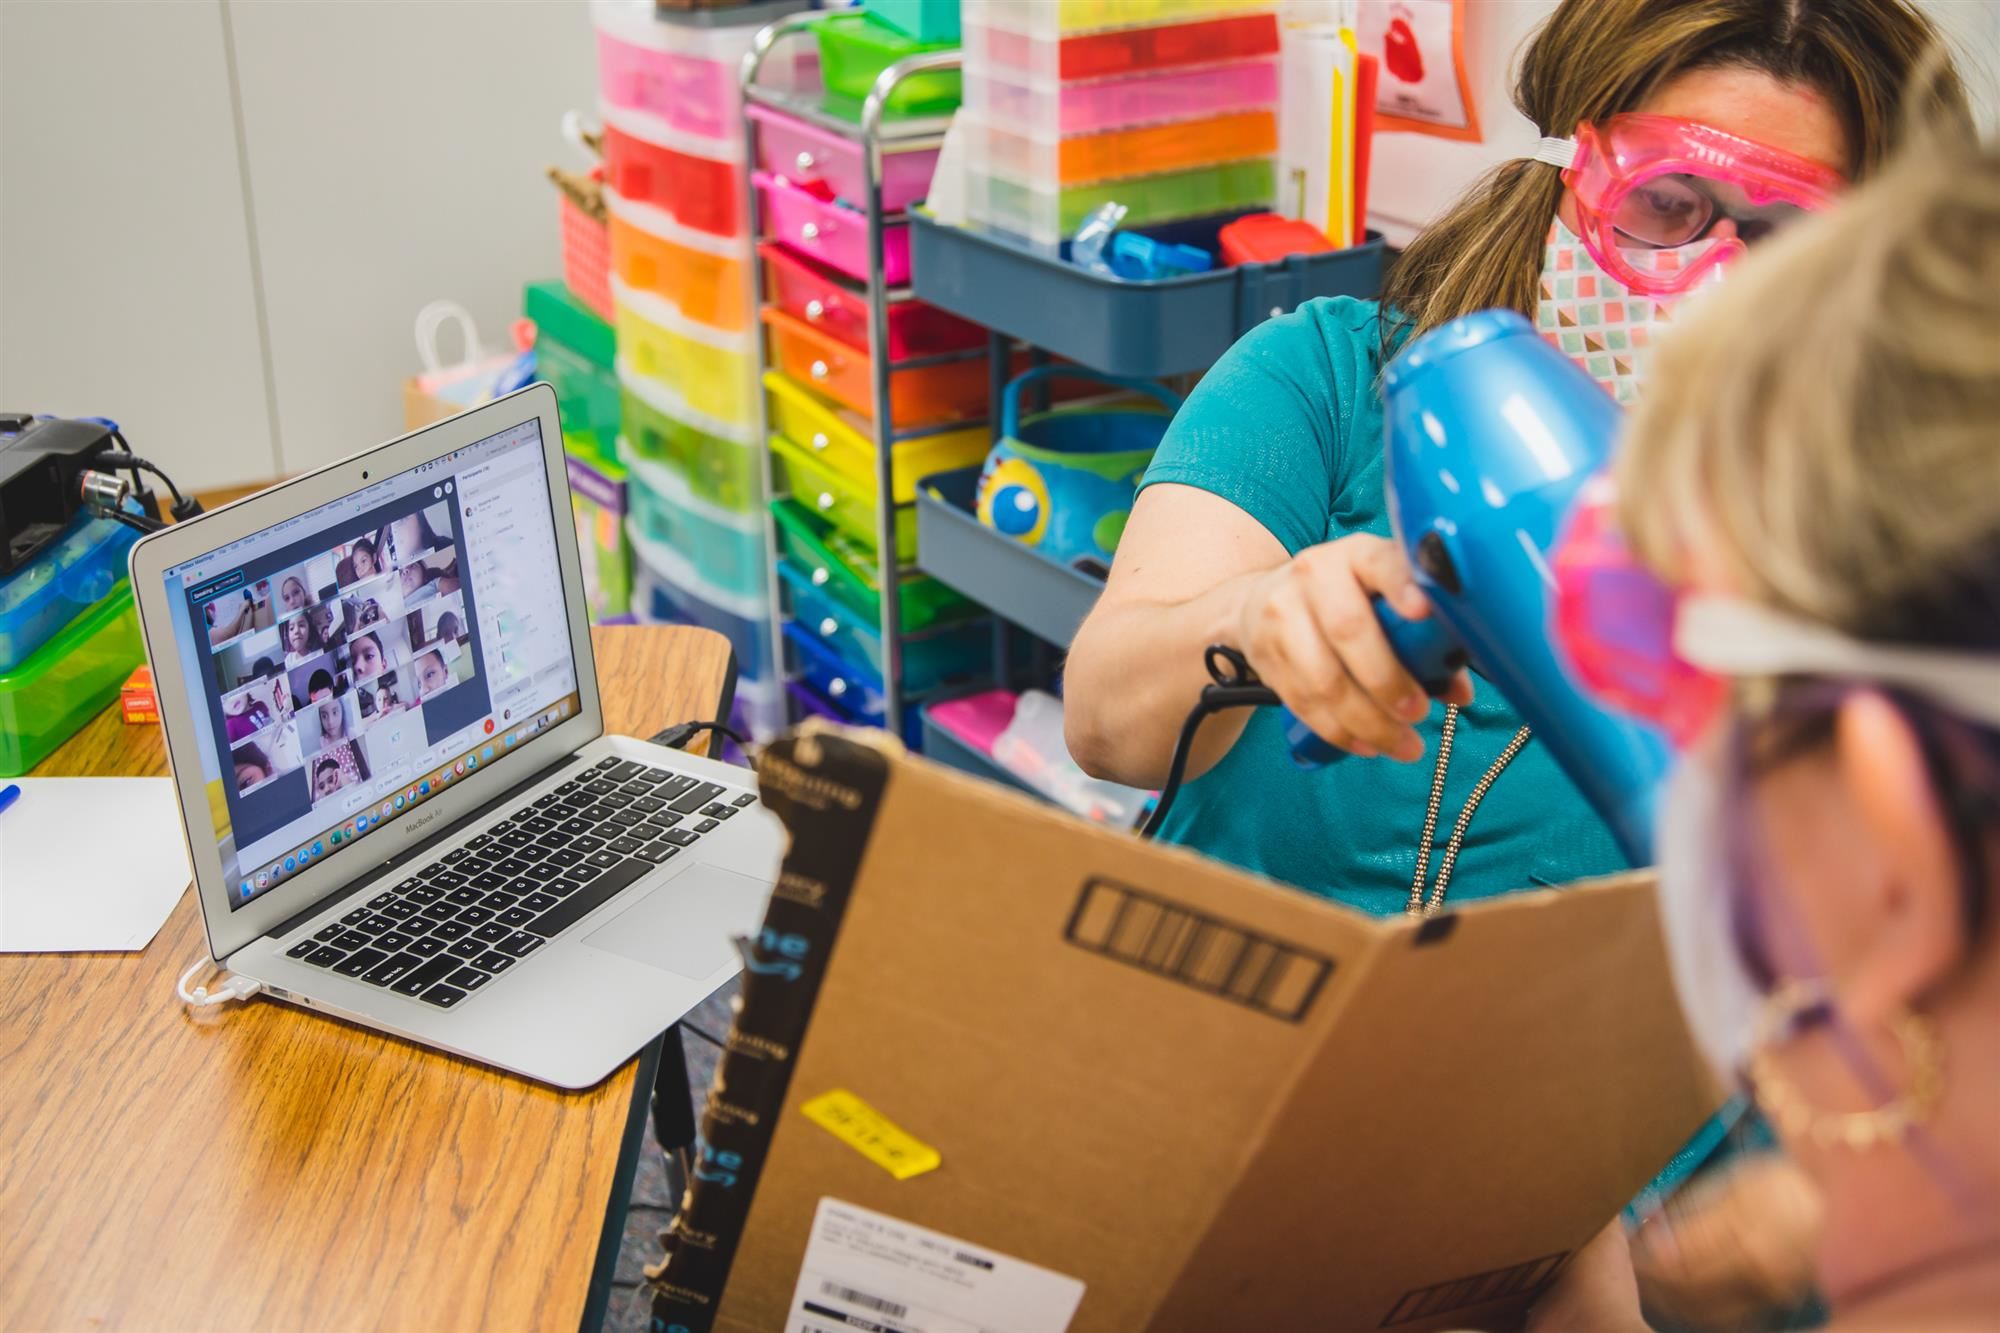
<point>57,586</point>
<point>1167,327</point>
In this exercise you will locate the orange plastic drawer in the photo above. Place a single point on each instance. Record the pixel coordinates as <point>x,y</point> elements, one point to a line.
<point>653,253</point>
<point>924,396</point>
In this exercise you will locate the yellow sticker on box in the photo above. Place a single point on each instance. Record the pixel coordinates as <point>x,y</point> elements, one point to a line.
<point>872,1134</point>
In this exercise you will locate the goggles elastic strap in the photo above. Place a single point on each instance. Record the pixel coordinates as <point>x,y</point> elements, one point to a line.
<point>1555,152</point>
<point>1733,638</point>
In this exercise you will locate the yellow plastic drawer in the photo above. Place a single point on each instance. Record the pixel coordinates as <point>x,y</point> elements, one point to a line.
<point>714,373</point>
<point>841,500</point>
<point>841,438</point>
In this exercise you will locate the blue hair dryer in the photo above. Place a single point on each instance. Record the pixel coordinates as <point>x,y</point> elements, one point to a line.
<point>1491,433</point>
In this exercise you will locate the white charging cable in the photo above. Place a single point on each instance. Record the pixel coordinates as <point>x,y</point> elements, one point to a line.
<point>236,988</point>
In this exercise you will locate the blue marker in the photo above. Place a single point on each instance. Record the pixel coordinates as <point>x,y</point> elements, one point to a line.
<point>10,794</point>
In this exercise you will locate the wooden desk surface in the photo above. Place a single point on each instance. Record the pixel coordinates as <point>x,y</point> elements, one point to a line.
<point>258,1167</point>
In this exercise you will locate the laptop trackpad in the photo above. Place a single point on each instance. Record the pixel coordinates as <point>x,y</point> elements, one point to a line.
<point>687,925</point>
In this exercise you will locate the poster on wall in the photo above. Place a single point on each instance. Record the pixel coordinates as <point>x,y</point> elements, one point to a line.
<point>1423,86</point>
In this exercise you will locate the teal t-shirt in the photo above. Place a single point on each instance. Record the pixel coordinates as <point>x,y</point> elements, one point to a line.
<point>1288,428</point>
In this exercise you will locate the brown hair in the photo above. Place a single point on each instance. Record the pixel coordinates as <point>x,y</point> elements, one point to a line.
<point>1597,58</point>
<point>1823,428</point>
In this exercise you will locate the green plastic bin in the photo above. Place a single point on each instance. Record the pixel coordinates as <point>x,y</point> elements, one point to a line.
<point>577,353</point>
<point>69,680</point>
<point>847,569</point>
<point>855,48</point>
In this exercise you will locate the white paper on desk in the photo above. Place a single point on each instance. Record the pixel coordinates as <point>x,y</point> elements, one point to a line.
<point>89,864</point>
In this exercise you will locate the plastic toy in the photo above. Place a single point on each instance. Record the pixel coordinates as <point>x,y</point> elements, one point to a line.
<point>1139,258</point>
<point>1491,436</point>
<point>1063,481</point>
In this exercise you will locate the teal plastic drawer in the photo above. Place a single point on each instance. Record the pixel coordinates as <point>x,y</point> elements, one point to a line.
<point>929,660</point>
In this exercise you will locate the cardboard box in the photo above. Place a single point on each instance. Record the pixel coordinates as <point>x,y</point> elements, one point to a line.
<point>1214,1102</point>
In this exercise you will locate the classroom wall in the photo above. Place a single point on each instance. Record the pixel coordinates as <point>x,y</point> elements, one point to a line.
<point>1414,177</point>
<point>219,217</point>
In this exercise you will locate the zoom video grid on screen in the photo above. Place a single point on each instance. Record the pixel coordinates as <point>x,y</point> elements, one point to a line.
<point>354,660</point>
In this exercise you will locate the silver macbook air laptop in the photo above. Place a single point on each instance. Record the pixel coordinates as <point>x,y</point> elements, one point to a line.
<point>379,700</point>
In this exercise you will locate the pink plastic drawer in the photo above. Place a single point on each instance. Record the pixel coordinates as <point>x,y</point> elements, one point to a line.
<point>814,294</point>
<point>829,233</point>
<point>688,92</point>
<point>806,155</point>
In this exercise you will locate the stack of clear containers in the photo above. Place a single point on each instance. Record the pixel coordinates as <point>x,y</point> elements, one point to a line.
<point>1166,106</point>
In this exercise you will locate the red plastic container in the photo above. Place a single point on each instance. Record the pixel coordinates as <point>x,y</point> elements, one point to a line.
<point>812,293</point>
<point>700,192</point>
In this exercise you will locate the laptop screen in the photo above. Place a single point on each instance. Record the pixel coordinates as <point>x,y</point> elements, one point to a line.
<point>349,663</point>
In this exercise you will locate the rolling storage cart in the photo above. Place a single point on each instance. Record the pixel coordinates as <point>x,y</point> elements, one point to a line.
<point>866,388</point>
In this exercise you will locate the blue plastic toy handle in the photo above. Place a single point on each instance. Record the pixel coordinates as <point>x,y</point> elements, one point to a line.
<point>1427,650</point>
<point>1010,397</point>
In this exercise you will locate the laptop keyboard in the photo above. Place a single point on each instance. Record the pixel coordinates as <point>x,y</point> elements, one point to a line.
<point>464,919</point>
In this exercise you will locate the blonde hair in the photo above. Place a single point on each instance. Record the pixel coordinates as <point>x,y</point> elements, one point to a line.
<point>1825,427</point>
<point>1594,59</point>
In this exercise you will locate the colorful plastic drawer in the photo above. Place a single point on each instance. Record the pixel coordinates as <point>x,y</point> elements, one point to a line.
<point>700,275</point>
<point>721,463</point>
<point>830,233</point>
<point>1026,37</point>
<point>667,590</point>
<point>929,660</point>
<point>67,681</point>
<point>684,75</point>
<point>713,373</point>
<point>855,48</point>
<point>823,299</point>
<point>807,704</point>
<point>1048,108</point>
<point>1048,214</point>
<point>1144,150</point>
<point>808,155</point>
<point>844,441</point>
<point>74,573</point>
<point>726,548</point>
<point>696,180</point>
<point>586,393</point>
<point>597,492</point>
<point>847,504</point>
<point>919,396</point>
<point>847,569</point>
<point>850,687</point>
<point>1053,18</point>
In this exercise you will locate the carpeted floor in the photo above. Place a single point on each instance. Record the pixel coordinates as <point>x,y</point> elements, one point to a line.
<point>652,1206</point>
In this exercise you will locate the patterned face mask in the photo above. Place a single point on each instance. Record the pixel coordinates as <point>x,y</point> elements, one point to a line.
<point>1596,320</point>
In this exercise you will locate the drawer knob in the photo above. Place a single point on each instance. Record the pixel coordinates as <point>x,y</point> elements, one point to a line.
<point>837,687</point>
<point>809,232</point>
<point>819,440</point>
<point>820,577</point>
<point>815,311</point>
<point>804,162</point>
<point>825,500</point>
<point>820,370</point>
<point>829,627</point>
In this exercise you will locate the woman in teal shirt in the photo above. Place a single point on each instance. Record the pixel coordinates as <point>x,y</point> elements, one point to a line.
<point>1262,523</point>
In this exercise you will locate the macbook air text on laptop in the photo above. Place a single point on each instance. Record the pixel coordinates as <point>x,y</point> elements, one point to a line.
<point>378,696</point>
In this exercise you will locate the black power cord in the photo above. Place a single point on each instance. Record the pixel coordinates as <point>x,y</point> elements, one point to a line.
<point>1235,685</point>
<point>677,736</point>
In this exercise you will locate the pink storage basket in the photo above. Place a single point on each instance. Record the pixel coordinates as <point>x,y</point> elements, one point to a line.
<point>586,242</point>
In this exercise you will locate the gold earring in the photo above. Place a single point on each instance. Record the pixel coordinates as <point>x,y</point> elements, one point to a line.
<point>1923,1051</point>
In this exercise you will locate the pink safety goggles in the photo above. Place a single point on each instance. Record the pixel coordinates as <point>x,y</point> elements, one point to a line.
<point>1659,182</point>
<point>1614,622</point>
<point>1670,657</point>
